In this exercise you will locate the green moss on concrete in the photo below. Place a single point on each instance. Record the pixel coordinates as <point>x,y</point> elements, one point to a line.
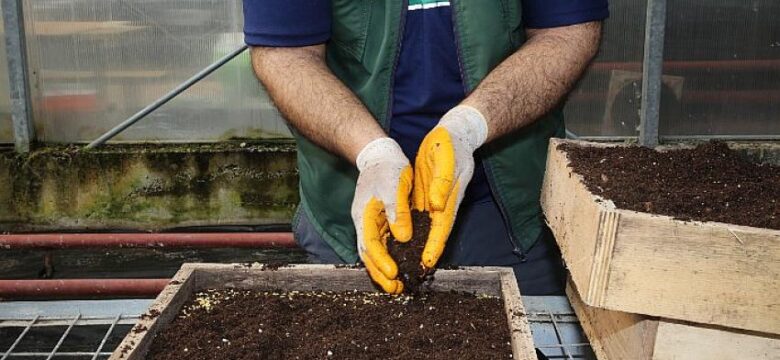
<point>149,186</point>
<point>252,134</point>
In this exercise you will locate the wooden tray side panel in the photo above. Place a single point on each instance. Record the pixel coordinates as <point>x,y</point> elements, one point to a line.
<point>325,277</point>
<point>696,272</point>
<point>614,335</point>
<point>574,218</point>
<point>522,339</point>
<point>679,341</point>
<point>136,344</point>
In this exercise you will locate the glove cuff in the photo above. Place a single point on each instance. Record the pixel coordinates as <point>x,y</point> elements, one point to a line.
<point>467,122</point>
<point>378,150</point>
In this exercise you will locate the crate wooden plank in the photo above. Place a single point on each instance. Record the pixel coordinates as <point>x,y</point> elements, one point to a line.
<point>619,335</point>
<point>162,311</point>
<point>196,277</point>
<point>623,260</point>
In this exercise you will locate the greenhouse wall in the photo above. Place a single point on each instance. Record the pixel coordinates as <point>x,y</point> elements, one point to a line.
<point>6,128</point>
<point>97,62</point>
<point>606,101</point>
<point>725,57</point>
<point>94,63</point>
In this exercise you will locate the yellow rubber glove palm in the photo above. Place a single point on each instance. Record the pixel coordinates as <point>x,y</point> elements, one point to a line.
<point>442,170</point>
<point>381,206</point>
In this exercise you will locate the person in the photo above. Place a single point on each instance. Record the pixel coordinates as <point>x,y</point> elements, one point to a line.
<point>471,90</point>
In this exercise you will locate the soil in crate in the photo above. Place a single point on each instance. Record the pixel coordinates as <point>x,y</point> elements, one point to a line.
<point>408,255</point>
<point>233,324</point>
<point>708,183</point>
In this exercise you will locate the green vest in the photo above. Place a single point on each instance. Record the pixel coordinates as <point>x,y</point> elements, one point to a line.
<point>363,52</point>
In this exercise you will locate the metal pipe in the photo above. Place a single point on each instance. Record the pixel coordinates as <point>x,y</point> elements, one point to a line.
<point>721,137</point>
<point>16,51</point>
<point>14,289</point>
<point>149,240</point>
<point>167,97</point>
<point>724,65</point>
<point>652,70</point>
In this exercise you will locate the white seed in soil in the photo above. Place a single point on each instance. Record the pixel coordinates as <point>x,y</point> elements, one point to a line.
<point>330,353</point>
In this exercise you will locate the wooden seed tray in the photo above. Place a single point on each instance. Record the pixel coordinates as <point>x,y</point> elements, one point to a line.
<point>616,335</point>
<point>192,278</point>
<point>703,272</point>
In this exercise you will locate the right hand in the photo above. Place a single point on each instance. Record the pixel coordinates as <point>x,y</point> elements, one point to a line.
<point>381,206</point>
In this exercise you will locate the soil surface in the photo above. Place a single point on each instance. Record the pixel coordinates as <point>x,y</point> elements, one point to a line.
<point>230,324</point>
<point>408,255</point>
<point>708,183</point>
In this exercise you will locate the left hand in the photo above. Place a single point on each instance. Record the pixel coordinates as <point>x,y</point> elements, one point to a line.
<point>443,170</point>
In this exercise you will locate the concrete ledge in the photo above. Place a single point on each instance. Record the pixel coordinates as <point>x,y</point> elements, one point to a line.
<point>148,187</point>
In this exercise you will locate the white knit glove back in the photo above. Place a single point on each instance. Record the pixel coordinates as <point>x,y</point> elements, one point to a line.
<point>381,206</point>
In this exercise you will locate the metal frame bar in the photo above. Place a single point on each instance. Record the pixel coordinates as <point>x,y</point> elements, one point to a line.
<point>559,336</point>
<point>62,338</point>
<point>721,137</point>
<point>19,338</point>
<point>105,337</point>
<point>16,51</point>
<point>166,98</point>
<point>677,138</point>
<point>652,70</point>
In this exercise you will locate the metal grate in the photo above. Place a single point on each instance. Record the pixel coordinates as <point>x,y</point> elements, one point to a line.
<point>93,329</point>
<point>66,329</point>
<point>37,341</point>
<point>556,329</point>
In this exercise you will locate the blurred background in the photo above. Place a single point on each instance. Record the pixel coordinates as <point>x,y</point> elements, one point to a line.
<point>93,63</point>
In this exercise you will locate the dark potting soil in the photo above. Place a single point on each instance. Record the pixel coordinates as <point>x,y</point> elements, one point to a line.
<point>408,255</point>
<point>708,183</point>
<point>230,324</point>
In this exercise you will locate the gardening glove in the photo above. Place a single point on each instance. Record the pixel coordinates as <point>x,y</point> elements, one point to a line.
<point>381,206</point>
<point>442,170</point>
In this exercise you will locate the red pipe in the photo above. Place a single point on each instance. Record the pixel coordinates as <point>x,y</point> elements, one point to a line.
<point>177,240</point>
<point>81,288</point>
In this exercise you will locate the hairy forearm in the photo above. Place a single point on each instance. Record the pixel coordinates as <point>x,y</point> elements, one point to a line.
<point>534,79</point>
<point>313,100</point>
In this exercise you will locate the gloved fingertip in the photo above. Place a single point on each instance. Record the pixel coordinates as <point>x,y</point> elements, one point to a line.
<point>402,230</point>
<point>393,287</point>
<point>388,285</point>
<point>399,288</point>
<point>429,259</point>
<point>389,269</point>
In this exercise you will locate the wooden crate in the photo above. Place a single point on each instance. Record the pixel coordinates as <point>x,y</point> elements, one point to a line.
<point>196,277</point>
<point>616,335</point>
<point>623,260</point>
